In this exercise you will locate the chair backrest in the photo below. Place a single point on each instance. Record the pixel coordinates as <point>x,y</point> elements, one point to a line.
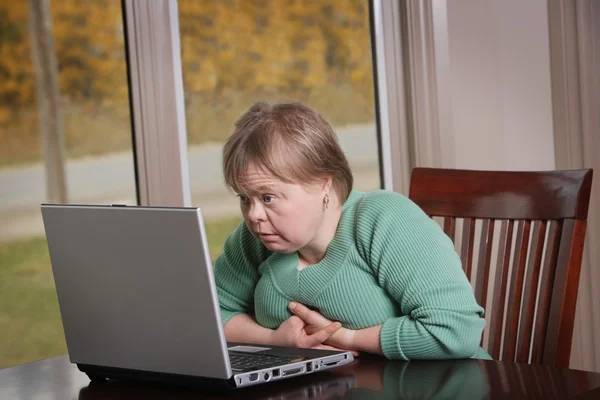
<point>536,274</point>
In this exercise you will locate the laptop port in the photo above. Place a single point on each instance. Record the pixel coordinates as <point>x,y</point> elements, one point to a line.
<point>267,376</point>
<point>275,372</point>
<point>253,377</point>
<point>308,367</point>
<point>292,371</point>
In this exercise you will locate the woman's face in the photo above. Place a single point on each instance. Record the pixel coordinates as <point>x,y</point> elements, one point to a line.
<point>285,217</point>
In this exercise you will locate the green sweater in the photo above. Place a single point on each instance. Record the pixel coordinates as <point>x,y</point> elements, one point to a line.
<point>388,263</point>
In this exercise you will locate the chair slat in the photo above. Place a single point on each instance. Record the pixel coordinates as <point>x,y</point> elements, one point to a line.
<point>468,238</point>
<point>483,263</point>
<point>450,227</point>
<point>564,293</point>
<point>530,291</point>
<point>500,283</point>
<point>516,291</point>
<point>545,291</point>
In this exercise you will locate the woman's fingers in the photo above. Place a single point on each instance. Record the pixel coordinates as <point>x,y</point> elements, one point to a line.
<point>309,316</point>
<point>321,335</point>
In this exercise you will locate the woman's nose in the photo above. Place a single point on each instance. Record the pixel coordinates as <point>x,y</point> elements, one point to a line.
<point>256,213</point>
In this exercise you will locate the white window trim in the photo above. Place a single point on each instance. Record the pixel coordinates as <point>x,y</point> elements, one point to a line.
<point>412,66</point>
<point>423,122</point>
<point>392,125</point>
<point>157,98</point>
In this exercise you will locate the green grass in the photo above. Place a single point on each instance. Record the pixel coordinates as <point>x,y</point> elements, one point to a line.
<point>30,323</point>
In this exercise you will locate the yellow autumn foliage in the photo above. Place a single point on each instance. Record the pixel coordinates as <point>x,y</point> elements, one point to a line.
<point>236,45</point>
<point>233,52</point>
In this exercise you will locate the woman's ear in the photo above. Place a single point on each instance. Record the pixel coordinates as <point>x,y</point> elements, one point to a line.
<point>326,186</point>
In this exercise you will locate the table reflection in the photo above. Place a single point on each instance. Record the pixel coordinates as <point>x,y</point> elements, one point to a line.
<point>318,386</point>
<point>364,379</point>
<point>368,377</point>
<point>418,380</point>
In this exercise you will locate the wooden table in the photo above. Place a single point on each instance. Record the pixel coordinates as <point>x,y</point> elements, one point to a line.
<point>366,378</point>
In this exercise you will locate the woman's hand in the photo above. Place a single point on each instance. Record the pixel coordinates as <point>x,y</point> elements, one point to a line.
<point>292,333</point>
<point>342,339</point>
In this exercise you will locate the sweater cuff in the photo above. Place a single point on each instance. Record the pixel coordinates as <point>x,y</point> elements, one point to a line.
<point>226,315</point>
<point>389,339</point>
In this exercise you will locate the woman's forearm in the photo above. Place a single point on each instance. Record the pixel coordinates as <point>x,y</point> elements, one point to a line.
<point>244,329</point>
<point>363,340</point>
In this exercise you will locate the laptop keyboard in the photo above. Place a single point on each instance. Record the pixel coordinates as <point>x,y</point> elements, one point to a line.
<point>241,362</point>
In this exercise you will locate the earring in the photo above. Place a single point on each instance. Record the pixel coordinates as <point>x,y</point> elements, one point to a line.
<point>326,201</point>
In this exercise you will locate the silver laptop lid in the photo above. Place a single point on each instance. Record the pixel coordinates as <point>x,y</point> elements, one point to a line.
<point>135,288</point>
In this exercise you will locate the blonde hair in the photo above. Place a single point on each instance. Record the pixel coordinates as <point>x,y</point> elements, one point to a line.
<point>290,141</point>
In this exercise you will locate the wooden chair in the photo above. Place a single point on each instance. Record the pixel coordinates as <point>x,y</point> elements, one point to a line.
<point>548,211</point>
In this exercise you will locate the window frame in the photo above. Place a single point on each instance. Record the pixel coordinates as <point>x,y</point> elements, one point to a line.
<point>158,106</point>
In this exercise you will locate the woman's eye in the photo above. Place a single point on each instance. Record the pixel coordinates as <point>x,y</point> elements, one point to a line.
<point>243,199</point>
<point>268,198</point>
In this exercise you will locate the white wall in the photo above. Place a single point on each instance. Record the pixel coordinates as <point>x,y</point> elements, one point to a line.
<point>498,89</point>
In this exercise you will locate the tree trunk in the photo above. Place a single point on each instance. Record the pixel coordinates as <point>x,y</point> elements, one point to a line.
<point>50,118</point>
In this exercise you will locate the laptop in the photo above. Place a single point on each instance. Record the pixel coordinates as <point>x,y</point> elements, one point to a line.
<point>138,301</point>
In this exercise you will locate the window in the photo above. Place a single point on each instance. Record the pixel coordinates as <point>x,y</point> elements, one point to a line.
<point>65,136</point>
<point>237,52</point>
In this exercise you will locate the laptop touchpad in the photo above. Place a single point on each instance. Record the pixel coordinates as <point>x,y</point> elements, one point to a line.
<point>248,349</point>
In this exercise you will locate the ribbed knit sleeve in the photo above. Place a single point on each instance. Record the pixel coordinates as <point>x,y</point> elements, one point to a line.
<point>236,272</point>
<point>416,264</point>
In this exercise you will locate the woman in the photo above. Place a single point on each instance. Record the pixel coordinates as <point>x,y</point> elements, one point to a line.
<point>317,264</point>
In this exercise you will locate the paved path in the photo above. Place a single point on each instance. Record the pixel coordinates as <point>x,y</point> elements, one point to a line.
<point>110,179</point>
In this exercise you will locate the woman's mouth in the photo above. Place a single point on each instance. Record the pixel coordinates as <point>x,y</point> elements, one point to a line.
<point>267,237</point>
